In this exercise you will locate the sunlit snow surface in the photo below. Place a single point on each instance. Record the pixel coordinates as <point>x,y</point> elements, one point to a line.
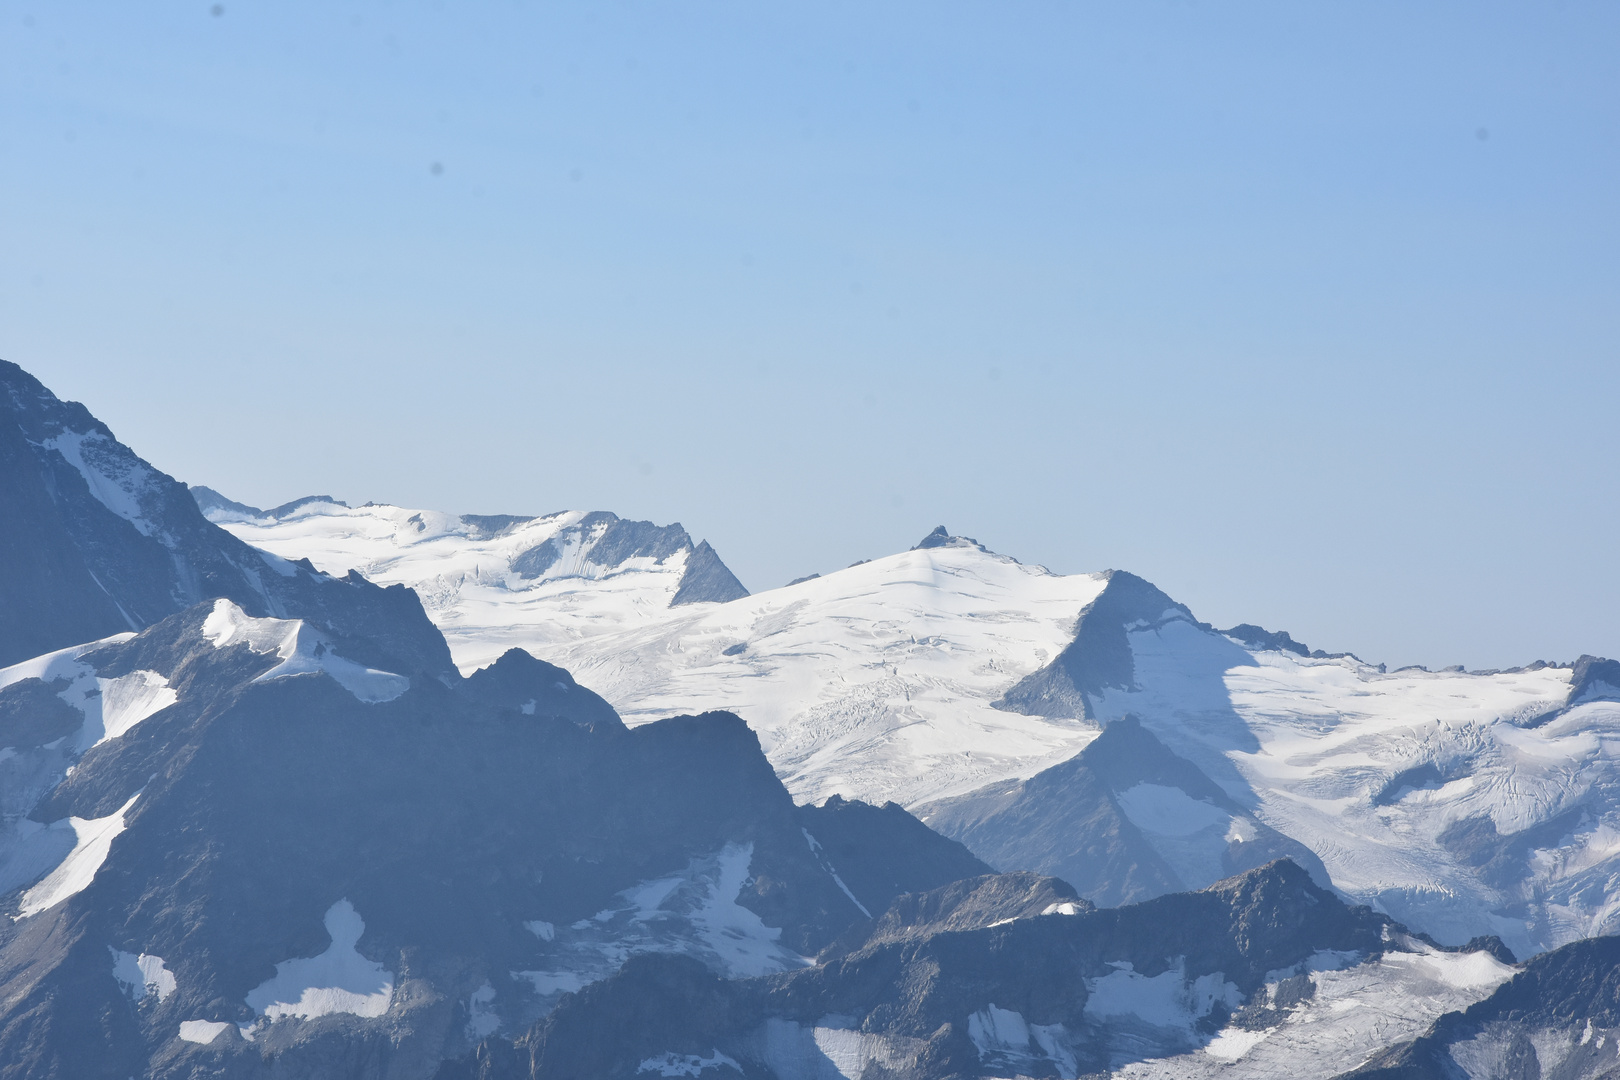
<point>1351,1014</point>
<point>202,1031</point>
<point>876,682</point>
<point>465,577</point>
<point>1317,750</point>
<point>110,707</point>
<point>29,850</point>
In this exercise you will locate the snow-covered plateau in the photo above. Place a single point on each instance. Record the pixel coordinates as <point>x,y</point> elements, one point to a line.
<point>1462,803</point>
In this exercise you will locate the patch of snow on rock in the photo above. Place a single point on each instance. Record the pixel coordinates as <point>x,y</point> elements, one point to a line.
<point>116,482</point>
<point>129,699</point>
<point>1352,1009</point>
<point>1232,1043</point>
<point>1165,1000</point>
<point>739,937</point>
<point>482,1020</point>
<point>339,980</point>
<point>693,912</point>
<point>93,839</point>
<point>1005,1040</point>
<point>143,974</point>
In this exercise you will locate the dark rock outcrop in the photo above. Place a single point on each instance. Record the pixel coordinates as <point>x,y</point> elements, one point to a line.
<point>475,829</point>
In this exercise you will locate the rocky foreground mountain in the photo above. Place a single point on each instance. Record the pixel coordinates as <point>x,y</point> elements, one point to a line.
<point>94,541</point>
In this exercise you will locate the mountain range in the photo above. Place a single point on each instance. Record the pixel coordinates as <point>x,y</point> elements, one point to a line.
<point>331,791</point>
<point>969,687</point>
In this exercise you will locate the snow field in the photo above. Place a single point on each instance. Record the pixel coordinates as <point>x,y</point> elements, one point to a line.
<point>1354,1009</point>
<point>464,575</point>
<point>142,974</point>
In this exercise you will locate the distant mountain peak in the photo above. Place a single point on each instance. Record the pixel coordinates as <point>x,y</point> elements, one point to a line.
<point>941,538</point>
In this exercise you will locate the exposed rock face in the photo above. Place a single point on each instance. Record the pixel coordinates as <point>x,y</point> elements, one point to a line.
<point>880,852</point>
<point>707,580</point>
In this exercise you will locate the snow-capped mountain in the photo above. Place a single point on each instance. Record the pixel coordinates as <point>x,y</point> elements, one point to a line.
<point>492,583</point>
<point>1461,803</point>
<point>876,682</point>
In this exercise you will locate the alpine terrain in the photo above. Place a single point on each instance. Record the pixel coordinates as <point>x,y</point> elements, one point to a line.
<point>324,791</point>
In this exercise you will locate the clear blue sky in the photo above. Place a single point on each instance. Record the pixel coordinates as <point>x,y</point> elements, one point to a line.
<point>1309,313</point>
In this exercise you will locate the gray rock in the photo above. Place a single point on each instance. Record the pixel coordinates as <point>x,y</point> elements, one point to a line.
<point>707,580</point>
